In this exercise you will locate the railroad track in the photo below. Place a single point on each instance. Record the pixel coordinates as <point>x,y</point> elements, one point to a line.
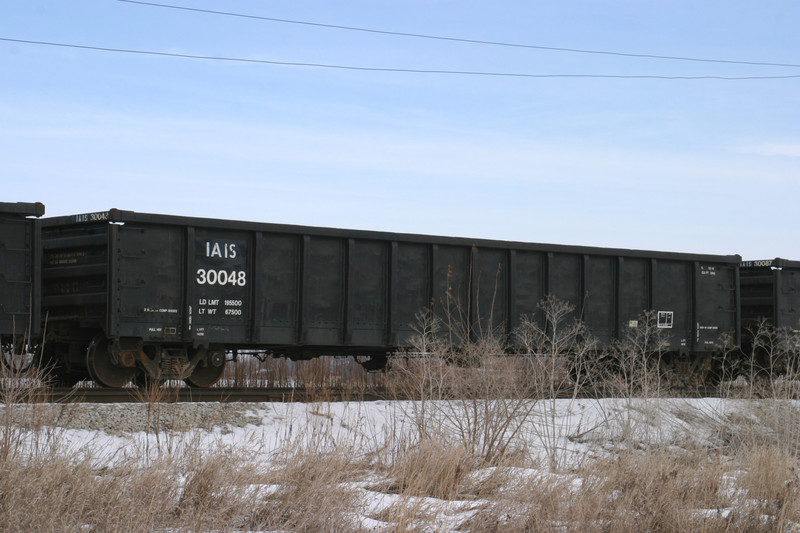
<point>250,395</point>
<point>214,394</point>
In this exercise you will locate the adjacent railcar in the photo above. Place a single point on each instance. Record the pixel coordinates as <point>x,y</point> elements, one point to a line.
<point>19,279</point>
<point>133,295</point>
<point>771,292</point>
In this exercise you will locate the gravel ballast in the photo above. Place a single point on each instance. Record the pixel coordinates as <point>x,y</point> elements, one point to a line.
<point>123,418</point>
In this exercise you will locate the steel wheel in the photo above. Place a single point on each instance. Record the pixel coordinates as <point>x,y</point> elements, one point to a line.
<point>206,373</point>
<point>102,370</point>
<point>17,359</point>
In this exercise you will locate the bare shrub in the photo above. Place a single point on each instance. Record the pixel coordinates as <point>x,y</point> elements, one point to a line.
<point>764,393</point>
<point>765,366</point>
<point>769,356</point>
<point>560,351</point>
<point>632,371</point>
<point>561,358</point>
<point>470,394</point>
<point>634,364</point>
<point>468,389</point>
<point>23,426</point>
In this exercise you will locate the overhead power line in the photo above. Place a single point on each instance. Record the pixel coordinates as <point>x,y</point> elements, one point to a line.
<point>383,69</point>
<point>464,40</point>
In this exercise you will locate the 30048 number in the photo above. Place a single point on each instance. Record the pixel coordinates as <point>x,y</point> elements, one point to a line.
<point>221,277</point>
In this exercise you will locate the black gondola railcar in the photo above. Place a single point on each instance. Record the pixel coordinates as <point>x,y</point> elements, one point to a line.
<point>19,280</point>
<point>131,294</point>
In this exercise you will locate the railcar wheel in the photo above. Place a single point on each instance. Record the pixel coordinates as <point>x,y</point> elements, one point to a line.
<point>102,370</point>
<point>207,372</point>
<point>17,360</point>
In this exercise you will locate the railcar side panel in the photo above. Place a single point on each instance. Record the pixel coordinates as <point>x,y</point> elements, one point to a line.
<point>323,290</point>
<point>451,283</point>
<point>16,268</point>
<point>277,278</point>
<point>717,306</point>
<point>219,282</point>
<point>599,297</point>
<point>528,275</point>
<point>411,288</point>
<point>634,292</point>
<point>367,293</point>
<point>19,269</point>
<point>787,285</point>
<point>672,301</point>
<point>490,289</point>
<point>146,282</point>
<point>75,276</point>
<point>565,277</point>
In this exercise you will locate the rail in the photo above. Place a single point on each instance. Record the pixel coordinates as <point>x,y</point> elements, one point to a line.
<point>214,394</point>
<point>257,395</point>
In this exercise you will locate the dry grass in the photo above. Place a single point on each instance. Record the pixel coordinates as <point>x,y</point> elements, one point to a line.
<point>431,486</point>
<point>56,491</point>
<point>656,491</point>
<point>312,492</point>
<point>432,469</point>
<point>771,483</point>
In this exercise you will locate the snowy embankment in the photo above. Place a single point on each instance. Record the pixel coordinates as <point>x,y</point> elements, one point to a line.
<point>575,429</point>
<point>566,465</point>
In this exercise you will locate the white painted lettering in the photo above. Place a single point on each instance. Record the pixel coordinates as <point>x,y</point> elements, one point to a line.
<point>225,250</point>
<point>221,277</point>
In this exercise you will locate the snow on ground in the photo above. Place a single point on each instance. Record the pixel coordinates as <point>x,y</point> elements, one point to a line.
<point>556,436</point>
<point>577,428</point>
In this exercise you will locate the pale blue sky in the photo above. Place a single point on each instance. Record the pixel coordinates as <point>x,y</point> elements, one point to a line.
<point>709,166</point>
